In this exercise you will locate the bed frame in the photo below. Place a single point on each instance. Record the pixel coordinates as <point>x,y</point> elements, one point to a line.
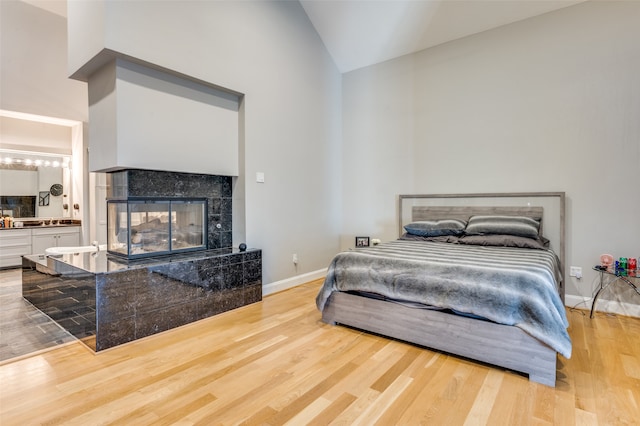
<point>501,345</point>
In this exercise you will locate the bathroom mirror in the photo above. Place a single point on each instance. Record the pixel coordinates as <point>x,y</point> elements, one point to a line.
<point>20,183</point>
<point>38,152</point>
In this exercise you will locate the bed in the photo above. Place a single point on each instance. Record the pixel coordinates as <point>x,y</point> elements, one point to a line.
<point>501,305</point>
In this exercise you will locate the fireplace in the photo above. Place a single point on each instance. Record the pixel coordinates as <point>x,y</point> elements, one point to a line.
<point>152,213</point>
<point>154,226</point>
<point>180,225</point>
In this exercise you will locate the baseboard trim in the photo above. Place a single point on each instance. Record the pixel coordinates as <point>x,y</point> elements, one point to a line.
<point>285,284</point>
<point>603,305</point>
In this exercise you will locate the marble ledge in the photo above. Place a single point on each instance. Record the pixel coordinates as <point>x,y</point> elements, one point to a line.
<point>103,263</point>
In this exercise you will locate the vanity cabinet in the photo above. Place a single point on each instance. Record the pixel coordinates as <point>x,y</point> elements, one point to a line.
<point>14,243</point>
<point>43,238</point>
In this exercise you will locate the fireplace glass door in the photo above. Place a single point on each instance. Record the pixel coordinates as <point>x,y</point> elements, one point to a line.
<point>147,227</point>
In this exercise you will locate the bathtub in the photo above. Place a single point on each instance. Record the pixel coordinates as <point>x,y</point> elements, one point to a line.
<point>59,251</point>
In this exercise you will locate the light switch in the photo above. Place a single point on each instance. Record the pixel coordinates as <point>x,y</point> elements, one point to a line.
<point>260,177</point>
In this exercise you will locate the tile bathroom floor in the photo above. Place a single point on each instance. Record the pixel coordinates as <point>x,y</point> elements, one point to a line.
<point>23,328</point>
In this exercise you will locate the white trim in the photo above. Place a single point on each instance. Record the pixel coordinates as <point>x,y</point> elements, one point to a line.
<point>603,305</point>
<point>292,282</point>
<point>578,302</point>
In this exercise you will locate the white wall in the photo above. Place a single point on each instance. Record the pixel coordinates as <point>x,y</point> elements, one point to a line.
<point>291,112</point>
<point>546,104</point>
<point>33,53</point>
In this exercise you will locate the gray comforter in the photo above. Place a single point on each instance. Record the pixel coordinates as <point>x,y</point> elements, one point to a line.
<point>512,286</point>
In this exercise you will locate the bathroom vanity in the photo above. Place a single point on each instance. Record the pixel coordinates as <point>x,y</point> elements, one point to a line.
<point>54,236</point>
<point>17,242</point>
<point>105,301</point>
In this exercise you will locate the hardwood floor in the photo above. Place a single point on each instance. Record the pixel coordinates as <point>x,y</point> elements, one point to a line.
<point>275,362</point>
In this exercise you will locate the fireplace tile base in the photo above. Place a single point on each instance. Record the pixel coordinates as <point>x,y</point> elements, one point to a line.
<point>121,304</point>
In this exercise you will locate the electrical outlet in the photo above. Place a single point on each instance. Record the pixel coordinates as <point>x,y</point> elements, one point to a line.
<point>295,259</point>
<point>575,271</point>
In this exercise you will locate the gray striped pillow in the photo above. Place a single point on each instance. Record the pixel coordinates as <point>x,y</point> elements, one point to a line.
<point>506,225</point>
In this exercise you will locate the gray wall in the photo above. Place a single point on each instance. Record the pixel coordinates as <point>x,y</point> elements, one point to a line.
<point>290,111</point>
<point>140,117</point>
<point>546,104</point>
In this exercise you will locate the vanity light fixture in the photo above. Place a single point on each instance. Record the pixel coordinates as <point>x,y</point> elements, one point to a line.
<point>32,158</point>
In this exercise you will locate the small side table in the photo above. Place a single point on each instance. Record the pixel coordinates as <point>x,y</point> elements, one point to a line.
<point>611,276</point>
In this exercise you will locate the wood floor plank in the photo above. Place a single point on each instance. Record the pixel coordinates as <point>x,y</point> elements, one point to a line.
<point>398,368</point>
<point>427,402</point>
<point>259,417</point>
<point>360,379</point>
<point>364,400</point>
<point>297,405</point>
<point>386,398</point>
<point>543,406</point>
<point>483,404</point>
<point>443,407</point>
<point>466,394</point>
<point>506,407</point>
<point>305,381</point>
<point>333,410</point>
<point>309,412</point>
<point>275,362</point>
<point>428,363</point>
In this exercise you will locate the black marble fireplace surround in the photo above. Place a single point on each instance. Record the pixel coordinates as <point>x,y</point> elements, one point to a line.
<point>217,190</point>
<point>105,300</point>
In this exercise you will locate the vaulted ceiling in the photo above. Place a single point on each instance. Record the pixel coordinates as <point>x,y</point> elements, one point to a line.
<point>359,33</point>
